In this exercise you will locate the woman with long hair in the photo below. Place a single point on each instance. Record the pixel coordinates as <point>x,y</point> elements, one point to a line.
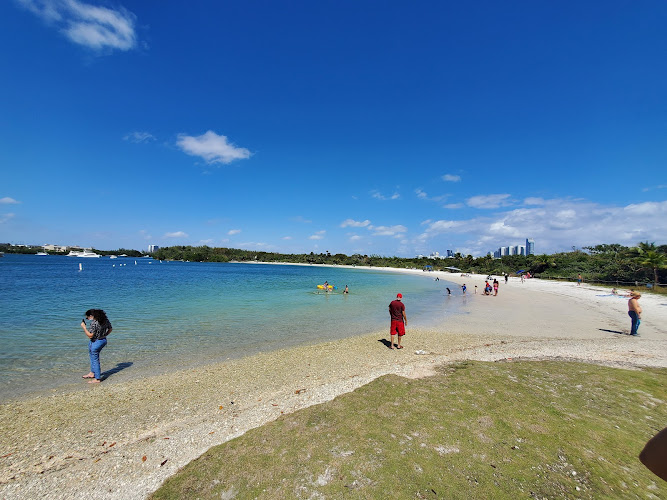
<point>97,332</point>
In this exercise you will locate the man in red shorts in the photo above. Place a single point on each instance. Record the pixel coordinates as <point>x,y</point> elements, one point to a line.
<point>398,320</point>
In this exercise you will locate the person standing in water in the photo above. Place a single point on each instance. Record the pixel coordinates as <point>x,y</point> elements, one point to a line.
<point>99,328</point>
<point>398,320</point>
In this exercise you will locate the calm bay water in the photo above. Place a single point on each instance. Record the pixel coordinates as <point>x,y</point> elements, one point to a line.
<point>172,315</point>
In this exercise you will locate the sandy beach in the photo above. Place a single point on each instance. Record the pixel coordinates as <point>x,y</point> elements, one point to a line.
<point>123,439</point>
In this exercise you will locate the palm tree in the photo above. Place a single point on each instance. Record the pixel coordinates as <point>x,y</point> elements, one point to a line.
<point>655,261</point>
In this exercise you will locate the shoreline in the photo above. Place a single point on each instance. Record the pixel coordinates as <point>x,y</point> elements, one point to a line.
<point>72,443</point>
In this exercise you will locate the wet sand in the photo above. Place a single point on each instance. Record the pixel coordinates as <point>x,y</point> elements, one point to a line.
<point>123,439</point>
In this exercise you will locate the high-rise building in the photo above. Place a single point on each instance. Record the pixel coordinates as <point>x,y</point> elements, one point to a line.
<point>152,248</point>
<point>515,250</point>
<point>530,246</point>
<point>450,253</point>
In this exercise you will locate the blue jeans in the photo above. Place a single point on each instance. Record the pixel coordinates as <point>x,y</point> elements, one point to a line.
<point>635,322</point>
<point>94,349</point>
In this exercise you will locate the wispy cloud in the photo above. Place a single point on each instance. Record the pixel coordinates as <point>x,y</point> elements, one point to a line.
<point>659,186</point>
<point>213,148</point>
<point>489,201</point>
<point>139,137</point>
<point>451,178</point>
<point>388,230</point>
<point>6,217</point>
<point>317,236</point>
<point>422,195</point>
<point>379,196</point>
<point>301,219</point>
<point>354,223</point>
<point>92,26</point>
<point>176,234</point>
<point>232,232</point>
<point>556,225</point>
<point>145,235</point>
<point>453,206</point>
<point>286,238</point>
<point>8,201</point>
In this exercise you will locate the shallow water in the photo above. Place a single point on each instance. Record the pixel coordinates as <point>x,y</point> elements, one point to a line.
<point>173,315</point>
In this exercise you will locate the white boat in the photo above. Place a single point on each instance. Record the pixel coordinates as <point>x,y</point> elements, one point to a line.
<point>113,256</point>
<point>85,253</point>
<point>41,253</point>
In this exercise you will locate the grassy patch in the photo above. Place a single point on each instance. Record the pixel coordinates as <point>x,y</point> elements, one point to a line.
<point>475,430</point>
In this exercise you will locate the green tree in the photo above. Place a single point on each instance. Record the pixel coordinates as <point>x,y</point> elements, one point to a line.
<point>653,260</point>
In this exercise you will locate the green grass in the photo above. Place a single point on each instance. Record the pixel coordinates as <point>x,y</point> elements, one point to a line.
<point>475,430</point>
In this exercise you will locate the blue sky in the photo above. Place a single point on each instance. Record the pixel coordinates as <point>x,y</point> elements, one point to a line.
<point>390,128</point>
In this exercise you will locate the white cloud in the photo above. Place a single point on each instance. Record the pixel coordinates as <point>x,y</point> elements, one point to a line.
<point>379,196</point>
<point>145,235</point>
<point>176,234</point>
<point>92,26</point>
<point>421,194</point>
<point>286,238</point>
<point>354,223</point>
<point>453,206</point>
<point>556,225</point>
<point>534,201</point>
<point>208,241</point>
<point>451,178</point>
<point>257,245</point>
<point>649,208</point>
<point>355,237</point>
<point>8,201</point>
<point>389,230</point>
<point>6,217</point>
<point>232,232</point>
<point>317,236</point>
<point>139,137</point>
<point>301,219</point>
<point>659,186</point>
<point>489,201</point>
<point>213,148</point>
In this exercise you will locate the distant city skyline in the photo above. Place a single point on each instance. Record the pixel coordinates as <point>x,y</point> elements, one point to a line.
<point>527,249</point>
<point>387,129</point>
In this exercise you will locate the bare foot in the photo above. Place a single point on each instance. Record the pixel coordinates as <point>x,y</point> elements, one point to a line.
<point>94,381</point>
<point>89,375</point>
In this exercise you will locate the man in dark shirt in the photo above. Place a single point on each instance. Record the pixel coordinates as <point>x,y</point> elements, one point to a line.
<point>398,320</point>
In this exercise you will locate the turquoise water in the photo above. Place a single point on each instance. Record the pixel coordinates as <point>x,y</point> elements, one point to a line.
<point>173,315</point>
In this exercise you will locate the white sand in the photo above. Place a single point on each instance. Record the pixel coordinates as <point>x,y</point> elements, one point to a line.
<point>92,443</point>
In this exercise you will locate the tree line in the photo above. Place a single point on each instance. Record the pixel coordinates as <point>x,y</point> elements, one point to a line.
<point>644,263</point>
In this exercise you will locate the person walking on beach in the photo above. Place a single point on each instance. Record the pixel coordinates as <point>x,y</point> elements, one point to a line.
<point>495,287</point>
<point>506,278</point>
<point>99,328</point>
<point>398,320</point>
<point>635,313</point>
<point>579,280</point>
